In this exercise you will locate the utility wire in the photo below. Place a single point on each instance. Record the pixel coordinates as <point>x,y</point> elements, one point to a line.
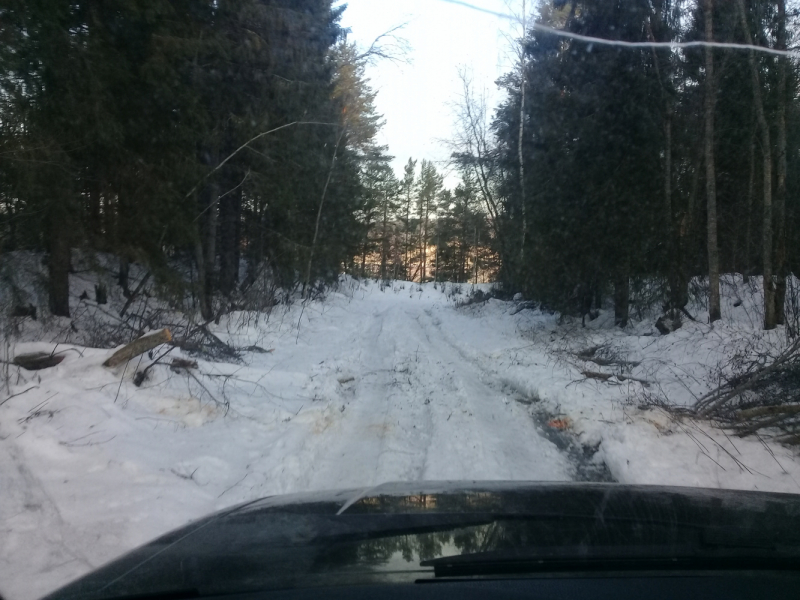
<point>621,43</point>
<point>670,45</point>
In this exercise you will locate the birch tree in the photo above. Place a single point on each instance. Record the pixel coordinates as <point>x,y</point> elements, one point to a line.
<point>780,196</point>
<point>770,320</point>
<point>714,313</point>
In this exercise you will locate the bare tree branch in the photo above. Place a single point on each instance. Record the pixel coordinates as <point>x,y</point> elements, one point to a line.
<point>397,51</point>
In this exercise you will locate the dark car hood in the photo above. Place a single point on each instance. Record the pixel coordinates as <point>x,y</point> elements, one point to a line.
<point>403,532</point>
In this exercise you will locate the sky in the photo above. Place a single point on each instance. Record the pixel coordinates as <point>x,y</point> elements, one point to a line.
<point>416,99</point>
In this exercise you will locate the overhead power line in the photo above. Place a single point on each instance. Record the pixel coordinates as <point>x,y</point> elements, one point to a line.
<point>671,45</point>
<point>481,9</point>
<point>622,43</point>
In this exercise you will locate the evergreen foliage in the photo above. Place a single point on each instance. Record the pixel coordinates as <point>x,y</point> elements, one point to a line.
<point>138,128</point>
<point>221,133</point>
<point>615,175</point>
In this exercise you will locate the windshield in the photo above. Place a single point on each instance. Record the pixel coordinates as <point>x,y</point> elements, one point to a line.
<point>261,247</point>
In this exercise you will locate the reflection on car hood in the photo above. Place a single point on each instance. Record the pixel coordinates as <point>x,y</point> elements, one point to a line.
<point>396,532</point>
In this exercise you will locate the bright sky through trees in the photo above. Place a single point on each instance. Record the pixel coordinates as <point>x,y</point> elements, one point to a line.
<point>414,98</point>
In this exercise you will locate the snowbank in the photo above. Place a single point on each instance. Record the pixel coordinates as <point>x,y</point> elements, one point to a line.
<point>372,384</point>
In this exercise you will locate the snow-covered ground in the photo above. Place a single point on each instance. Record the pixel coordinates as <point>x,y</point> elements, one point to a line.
<point>376,384</point>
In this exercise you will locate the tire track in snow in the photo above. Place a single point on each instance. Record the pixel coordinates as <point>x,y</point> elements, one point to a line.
<point>374,439</point>
<point>419,411</point>
<point>481,433</point>
<point>417,408</point>
<point>34,514</point>
<point>581,458</point>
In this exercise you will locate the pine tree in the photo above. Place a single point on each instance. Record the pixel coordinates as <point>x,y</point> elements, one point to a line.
<point>711,176</point>
<point>408,186</point>
<point>164,126</point>
<point>429,186</point>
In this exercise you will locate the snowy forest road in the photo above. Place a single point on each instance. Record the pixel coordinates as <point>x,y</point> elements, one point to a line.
<point>374,385</point>
<point>416,408</point>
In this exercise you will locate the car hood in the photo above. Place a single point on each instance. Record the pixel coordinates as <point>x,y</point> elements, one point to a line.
<point>403,532</point>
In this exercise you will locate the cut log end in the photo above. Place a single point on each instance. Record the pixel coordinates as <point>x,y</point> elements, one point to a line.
<point>137,347</point>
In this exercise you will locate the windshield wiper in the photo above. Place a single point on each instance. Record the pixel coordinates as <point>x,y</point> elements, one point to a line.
<point>616,558</point>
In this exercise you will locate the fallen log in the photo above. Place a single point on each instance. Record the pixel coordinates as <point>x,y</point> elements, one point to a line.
<point>37,361</point>
<point>596,375</point>
<point>763,411</point>
<point>258,349</point>
<point>609,376</point>
<point>644,382</point>
<point>607,362</point>
<point>181,363</point>
<point>791,439</point>
<point>750,428</point>
<point>525,306</point>
<point>138,346</point>
<point>589,352</point>
<point>24,311</point>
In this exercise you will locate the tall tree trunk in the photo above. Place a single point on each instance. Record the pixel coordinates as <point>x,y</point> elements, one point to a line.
<point>254,228</point>
<point>522,84</point>
<point>122,239</point>
<point>60,258</point>
<point>676,290</point>
<point>123,277</point>
<point>307,282</point>
<point>230,212</point>
<point>462,259</point>
<point>407,231</point>
<point>384,239</point>
<point>780,195</point>
<point>210,244</point>
<point>237,236</point>
<point>364,248</point>
<point>95,221</point>
<point>621,298</point>
<point>110,210</point>
<point>475,241</point>
<point>205,246</point>
<point>751,190</point>
<point>714,312</point>
<point>766,152</point>
<point>11,243</point>
<point>436,263</point>
<point>424,244</point>
<point>686,228</point>
<point>199,258</point>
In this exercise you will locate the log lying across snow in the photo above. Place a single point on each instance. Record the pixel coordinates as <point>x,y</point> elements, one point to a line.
<point>595,375</point>
<point>619,377</point>
<point>138,346</point>
<point>38,360</point>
